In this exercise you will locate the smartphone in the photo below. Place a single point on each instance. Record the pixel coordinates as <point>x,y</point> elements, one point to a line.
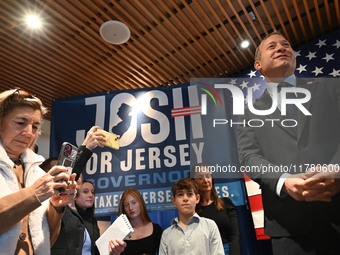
<point>67,156</point>
<point>112,139</point>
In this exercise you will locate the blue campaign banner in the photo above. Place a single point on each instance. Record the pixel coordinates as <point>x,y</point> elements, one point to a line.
<point>162,133</point>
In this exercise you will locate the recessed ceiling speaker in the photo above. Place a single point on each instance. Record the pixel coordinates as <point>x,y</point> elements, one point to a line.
<point>114,32</point>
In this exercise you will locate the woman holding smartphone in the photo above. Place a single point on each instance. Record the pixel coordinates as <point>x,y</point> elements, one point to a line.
<point>79,228</point>
<point>31,204</point>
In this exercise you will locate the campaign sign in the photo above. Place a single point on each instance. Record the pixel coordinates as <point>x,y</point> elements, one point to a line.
<point>162,132</point>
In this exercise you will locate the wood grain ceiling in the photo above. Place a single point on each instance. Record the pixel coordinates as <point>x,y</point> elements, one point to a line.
<point>171,41</point>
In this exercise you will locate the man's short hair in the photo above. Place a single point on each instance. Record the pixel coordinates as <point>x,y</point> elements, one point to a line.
<point>184,183</point>
<point>257,51</point>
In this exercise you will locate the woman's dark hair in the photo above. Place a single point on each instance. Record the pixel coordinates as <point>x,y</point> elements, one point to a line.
<point>214,197</point>
<point>46,165</point>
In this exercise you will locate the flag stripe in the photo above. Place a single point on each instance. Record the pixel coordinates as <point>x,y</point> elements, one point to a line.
<point>185,113</point>
<point>256,206</point>
<point>183,109</point>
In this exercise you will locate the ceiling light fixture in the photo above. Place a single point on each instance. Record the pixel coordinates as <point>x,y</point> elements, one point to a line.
<point>33,21</point>
<point>252,15</point>
<point>245,44</point>
<point>114,32</point>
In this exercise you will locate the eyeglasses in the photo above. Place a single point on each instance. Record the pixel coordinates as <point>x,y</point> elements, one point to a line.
<point>20,94</point>
<point>19,97</point>
<point>23,94</point>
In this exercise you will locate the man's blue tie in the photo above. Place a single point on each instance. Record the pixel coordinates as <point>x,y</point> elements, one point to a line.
<point>291,109</point>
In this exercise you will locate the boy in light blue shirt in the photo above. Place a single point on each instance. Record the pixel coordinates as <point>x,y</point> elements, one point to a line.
<point>190,234</point>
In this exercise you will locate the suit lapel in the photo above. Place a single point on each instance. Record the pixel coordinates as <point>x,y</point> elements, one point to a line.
<point>302,119</point>
<point>264,103</point>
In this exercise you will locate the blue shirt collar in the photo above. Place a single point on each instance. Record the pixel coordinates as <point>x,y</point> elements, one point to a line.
<point>194,218</point>
<point>291,79</point>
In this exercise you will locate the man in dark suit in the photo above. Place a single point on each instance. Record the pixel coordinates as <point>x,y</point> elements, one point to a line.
<point>297,167</point>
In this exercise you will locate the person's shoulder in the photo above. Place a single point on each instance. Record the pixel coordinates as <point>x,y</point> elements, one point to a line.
<point>207,221</point>
<point>320,85</point>
<point>70,210</point>
<point>227,202</point>
<point>328,80</point>
<point>208,225</point>
<point>167,232</point>
<point>157,227</point>
<point>173,225</point>
<point>319,80</point>
<point>71,217</point>
<point>168,229</point>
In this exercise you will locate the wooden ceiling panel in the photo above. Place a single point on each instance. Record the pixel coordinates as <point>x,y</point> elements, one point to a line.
<point>171,41</point>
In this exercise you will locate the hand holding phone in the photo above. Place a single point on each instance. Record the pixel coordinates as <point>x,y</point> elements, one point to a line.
<point>67,157</point>
<point>112,140</point>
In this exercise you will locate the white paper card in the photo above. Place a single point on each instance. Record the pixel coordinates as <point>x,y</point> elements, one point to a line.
<point>119,229</point>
